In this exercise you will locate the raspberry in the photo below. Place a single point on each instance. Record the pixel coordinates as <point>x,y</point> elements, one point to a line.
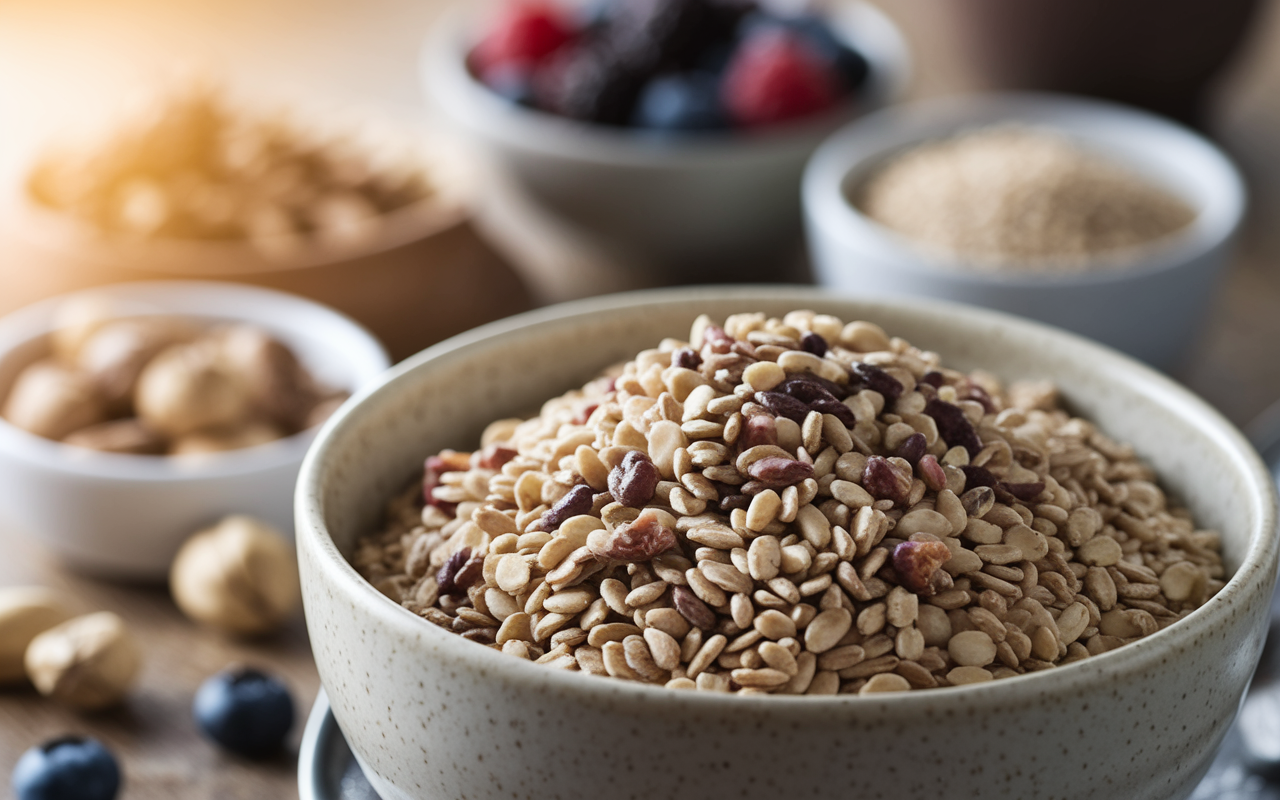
<point>523,35</point>
<point>774,76</point>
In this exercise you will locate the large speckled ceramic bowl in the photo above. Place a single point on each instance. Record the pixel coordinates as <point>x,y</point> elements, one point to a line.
<point>430,715</point>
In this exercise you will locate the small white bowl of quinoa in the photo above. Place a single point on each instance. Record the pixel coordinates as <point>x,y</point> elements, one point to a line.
<point>1103,220</point>
<point>722,541</point>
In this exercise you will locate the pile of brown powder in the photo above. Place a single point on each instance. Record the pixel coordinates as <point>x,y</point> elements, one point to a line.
<point>1016,197</point>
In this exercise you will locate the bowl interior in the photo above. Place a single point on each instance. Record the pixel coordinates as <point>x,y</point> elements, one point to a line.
<point>335,350</point>
<point>447,394</point>
<point>1164,153</point>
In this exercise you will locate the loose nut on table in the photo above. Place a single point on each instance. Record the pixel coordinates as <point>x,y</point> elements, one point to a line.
<point>25,613</point>
<point>88,662</point>
<point>240,576</point>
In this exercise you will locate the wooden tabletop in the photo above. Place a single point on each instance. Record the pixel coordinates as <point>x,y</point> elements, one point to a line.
<point>61,60</point>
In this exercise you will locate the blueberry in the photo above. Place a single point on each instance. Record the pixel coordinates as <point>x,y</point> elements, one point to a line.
<point>684,102</point>
<point>70,768</point>
<point>244,710</point>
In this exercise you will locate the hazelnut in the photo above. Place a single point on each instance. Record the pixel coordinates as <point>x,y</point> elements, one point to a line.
<point>114,355</point>
<point>52,401</point>
<point>118,436</point>
<point>186,388</point>
<point>220,440</point>
<point>88,662</point>
<point>25,612</point>
<point>239,576</point>
<point>279,386</point>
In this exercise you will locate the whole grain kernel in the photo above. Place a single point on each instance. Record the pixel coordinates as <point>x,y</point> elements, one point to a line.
<point>774,625</point>
<point>962,675</point>
<point>972,649</point>
<point>826,630</point>
<point>885,682</point>
<point>1100,551</point>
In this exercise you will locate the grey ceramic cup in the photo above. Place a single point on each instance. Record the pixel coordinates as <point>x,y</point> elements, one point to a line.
<point>430,715</point>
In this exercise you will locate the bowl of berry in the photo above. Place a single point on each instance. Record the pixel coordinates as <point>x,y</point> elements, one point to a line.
<point>675,131</point>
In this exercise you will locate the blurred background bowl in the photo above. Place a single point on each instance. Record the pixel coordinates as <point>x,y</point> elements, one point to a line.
<point>417,275</point>
<point>1151,307</point>
<point>714,206</point>
<point>124,516</point>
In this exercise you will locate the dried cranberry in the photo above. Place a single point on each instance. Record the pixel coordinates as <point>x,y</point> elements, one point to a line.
<point>912,448</point>
<point>776,471</point>
<point>757,430</point>
<point>933,378</point>
<point>797,386</point>
<point>638,540</point>
<point>1025,492</point>
<point>633,482</point>
<point>715,336</point>
<point>436,466</point>
<point>813,343</point>
<point>495,455</point>
<point>692,608</point>
<point>972,391</point>
<point>729,502</point>
<point>953,425</point>
<point>931,473</point>
<point>884,481</point>
<point>446,578</point>
<point>686,357</point>
<point>836,409</point>
<point>869,376</point>
<point>978,476</point>
<point>584,413</point>
<point>783,405</point>
<point>916,562</point>
<point>578,500</point>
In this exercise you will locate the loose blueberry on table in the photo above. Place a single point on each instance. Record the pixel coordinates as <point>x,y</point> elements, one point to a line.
<point>245,711</point>
<point>667,65</point>
<point>69,768</point>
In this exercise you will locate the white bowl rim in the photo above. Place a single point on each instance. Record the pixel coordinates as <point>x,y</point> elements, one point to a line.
<point>29,323</point>
<point>828,209</point>
<point>442,65</point>
<point>1258,563</point>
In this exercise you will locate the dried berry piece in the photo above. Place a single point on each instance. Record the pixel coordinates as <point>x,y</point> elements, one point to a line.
<point>471,573</point>
<point>633,482</point>
<point>757,430</point>
<point>1025,492</point>
<point>447,461</point>
<point>933,378</point>
<point>883,480</point>
<point>798,386</point>
<point>953,425</point>
<point>978,476</point>
<point>715,336</point>
<point>869,376</point>
<point>729,502</point>
<point>584,413</point>
<point>575,502</point>
<point>972,391</point>
<point>686,357</point>
<point>836,409</point>
<point>775,471</point>
<point>692,608</point>
<point>638,540</point>
<point>916,563</point>
<point>931,473</point>
<point>446,578</point>
<point>783,405</point>
<point>813,343</point>
<point>495,455</point>
<point>912,448</point>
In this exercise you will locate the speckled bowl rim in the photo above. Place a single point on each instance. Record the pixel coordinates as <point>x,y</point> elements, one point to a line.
<point>1257,565</point>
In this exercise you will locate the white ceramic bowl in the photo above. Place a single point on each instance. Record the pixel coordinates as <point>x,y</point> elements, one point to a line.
<point>1150,308</point>
<point>692,207</point>
<point>124,516</point>
<point>430,715</point>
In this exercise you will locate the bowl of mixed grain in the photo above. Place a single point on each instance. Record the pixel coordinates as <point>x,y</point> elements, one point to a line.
<point>743,541</point>
<point>1100,219</point>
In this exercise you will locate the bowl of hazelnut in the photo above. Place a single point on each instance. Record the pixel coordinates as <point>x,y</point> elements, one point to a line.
<point>674,132</point>
<point>133,414</point>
